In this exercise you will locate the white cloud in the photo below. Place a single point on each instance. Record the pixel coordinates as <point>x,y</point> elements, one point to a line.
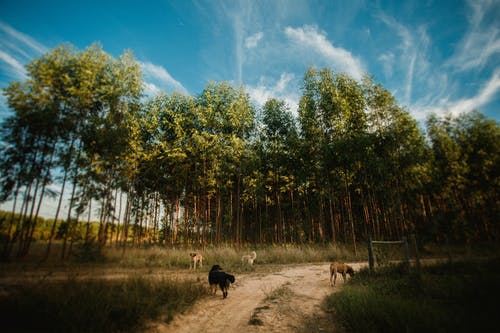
<point>15,68</point>
<point>17,48</point>
<point>488,93</point>
<point>481,42</point>
<point>387,60</point>
<point>412,47</point>
<point>285,88</point>
<point>156,78</point>
<point>341,59</point>
<point>22,38</point>
<point>252,41</point>
<point>484,96</point>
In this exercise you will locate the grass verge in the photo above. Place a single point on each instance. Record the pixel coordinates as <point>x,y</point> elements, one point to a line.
<point>459,297</point>
<point>94,305</point>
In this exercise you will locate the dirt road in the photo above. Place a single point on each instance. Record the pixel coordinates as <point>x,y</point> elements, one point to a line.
<point>290,300</point>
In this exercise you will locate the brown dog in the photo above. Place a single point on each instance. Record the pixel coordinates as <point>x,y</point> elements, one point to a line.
<point>195,258</point>
<point>339,267</point>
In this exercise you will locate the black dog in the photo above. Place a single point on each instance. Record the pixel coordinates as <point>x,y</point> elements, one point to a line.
<point>217,277</point>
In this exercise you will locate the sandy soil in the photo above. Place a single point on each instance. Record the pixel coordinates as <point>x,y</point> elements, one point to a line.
<point>291,300</point>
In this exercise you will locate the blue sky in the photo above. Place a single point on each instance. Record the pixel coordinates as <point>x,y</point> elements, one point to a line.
<point>434,56</point>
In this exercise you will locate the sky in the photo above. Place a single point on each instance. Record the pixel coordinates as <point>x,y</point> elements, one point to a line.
<point>434,56</point>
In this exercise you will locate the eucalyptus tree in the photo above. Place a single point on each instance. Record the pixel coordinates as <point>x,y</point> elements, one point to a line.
<point>166,126</point>
<point>397,170</point>
<point>278,139</point>
<point>38,104</point>
<point>465,164</point>
<point>107,132</point>
<point>344,124</point>
<point>226,117</point>
<point>312,141</point>
<point>449,170</point>
<point>479,139</point>
<point>333,126</point>
<point>69,102</point>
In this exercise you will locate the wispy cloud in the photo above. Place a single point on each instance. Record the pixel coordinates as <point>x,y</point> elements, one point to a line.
<point>410,49</point>
<point>157,78</point>
<point>481,42</point>
<point>486,94</point>
<point>311,38</point>
<point>242,15</point>
<point>285,88</point>
<point>429,86</point>
<point>22,38</point>
<point>252,41</point>
<point>387,60</point>
<point>14,67</point>
<point>17,48</point>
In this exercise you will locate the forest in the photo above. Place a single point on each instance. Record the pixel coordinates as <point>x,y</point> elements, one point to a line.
<point>213,169</point>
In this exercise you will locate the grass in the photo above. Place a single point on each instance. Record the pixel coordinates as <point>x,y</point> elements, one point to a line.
<point>385,301</point>
<point>94,305</point>
<point>76,296</point>
<point>458,297</point>
<point>282,293</point>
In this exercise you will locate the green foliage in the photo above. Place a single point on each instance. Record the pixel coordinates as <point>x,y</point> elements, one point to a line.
<point>440,298</point>
<point>210,169</point>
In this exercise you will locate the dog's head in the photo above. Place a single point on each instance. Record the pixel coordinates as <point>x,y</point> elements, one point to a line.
<point>193,254</point>
<point>216,268</point>
<point>350,271</point>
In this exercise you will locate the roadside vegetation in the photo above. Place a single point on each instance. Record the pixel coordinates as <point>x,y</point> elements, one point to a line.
<point>457,296</point>
<point>94,306</point>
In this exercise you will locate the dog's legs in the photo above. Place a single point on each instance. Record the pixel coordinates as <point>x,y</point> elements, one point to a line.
<point>334,277</point>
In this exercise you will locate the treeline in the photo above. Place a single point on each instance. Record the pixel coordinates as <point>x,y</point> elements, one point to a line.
<point>213,169</point>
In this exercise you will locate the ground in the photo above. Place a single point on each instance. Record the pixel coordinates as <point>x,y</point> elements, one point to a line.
<point>286,299</point>
<point>289,300</point>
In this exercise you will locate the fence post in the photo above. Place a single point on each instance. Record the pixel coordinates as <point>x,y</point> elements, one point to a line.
<point>370,254</point>
<point>407,252</point>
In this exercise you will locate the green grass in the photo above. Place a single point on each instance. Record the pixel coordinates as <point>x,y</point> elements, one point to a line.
<point>461,297</point>
<point>94,305</point>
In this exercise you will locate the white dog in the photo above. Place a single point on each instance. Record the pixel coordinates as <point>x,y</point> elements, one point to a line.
<point>248,258</point>
<point>195,259</point>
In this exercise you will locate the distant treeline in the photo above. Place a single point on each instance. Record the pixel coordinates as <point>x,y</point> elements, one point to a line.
<point>214,169</point>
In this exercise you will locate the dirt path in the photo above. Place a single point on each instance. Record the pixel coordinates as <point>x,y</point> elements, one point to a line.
<point>286,301</point>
